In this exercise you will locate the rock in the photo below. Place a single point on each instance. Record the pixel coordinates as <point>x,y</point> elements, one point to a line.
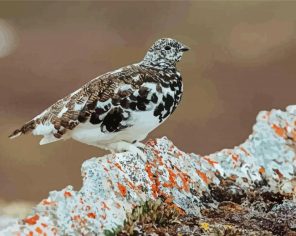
<point>115,185</point>
<point>9,211</point>
<point>7,221</point>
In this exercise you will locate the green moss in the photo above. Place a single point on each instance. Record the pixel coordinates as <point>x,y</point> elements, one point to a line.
<point>155,213</point>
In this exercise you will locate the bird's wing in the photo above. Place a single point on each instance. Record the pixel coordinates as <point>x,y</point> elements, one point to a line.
<point>90,101</point>
<point>60,114</point>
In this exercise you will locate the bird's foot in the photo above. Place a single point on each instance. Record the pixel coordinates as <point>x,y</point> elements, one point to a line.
<point>128,147</point>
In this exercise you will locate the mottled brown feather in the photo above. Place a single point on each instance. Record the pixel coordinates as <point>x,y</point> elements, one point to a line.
<point>99,89</point>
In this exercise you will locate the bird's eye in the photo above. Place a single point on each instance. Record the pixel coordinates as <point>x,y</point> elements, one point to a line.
<point>167,48</point>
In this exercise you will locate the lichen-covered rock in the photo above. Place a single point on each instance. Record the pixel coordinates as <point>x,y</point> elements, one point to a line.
<point>114,185</point>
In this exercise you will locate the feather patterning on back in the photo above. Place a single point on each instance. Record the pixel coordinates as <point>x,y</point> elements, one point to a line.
<point>117,110</point>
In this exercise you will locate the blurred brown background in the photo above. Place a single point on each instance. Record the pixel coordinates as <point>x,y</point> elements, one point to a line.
<point>242,60</point>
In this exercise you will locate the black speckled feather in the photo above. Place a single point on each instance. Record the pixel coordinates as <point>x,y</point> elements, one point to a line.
<point>117,102</point>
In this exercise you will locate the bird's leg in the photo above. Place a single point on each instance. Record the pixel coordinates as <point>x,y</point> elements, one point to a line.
<point>125,146</point>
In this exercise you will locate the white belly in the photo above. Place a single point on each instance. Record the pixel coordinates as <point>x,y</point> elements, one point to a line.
<point>142,123</point>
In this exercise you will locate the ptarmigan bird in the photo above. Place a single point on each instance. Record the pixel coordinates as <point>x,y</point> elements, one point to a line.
<point>117,110</point>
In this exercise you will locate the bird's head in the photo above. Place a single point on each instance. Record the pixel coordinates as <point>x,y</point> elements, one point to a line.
<point>165,53</point>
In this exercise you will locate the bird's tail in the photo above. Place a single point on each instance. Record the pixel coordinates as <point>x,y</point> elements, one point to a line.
<point>29,126</point>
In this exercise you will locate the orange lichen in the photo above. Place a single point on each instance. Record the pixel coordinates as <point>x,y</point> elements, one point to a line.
<point>148,168</point>
<point>122,189</point>
<point>203,176</point>
<point>167,185</point>
<point>172,177</point>
<point>118,166</point>
<point>279,131</point>
<point>261,170</point>
<point>169,199</point>
<point>212,163</point>
<point>178,209</point>
<point>91,215</point>
<point>155,185</point>
<point>234,157</point>
<point>76,217</point>
<point>38,230</point>
<point>30,233</point>
<point>48,202</point>
<point>44,225</point>
<point>185,179</point>
<point>245,151</point>
<point>67,194</point>
<point>155,188</point>
<point>31,220</point>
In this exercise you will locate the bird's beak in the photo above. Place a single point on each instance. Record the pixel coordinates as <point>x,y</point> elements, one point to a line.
<point>184,48</point>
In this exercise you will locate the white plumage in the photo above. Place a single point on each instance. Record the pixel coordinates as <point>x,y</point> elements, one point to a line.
<point>117,110</point>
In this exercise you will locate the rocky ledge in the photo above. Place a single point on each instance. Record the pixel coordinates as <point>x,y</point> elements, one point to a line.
<point>247,190</point>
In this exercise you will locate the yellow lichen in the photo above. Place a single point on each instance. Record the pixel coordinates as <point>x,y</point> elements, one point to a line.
<point>205,226</point>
